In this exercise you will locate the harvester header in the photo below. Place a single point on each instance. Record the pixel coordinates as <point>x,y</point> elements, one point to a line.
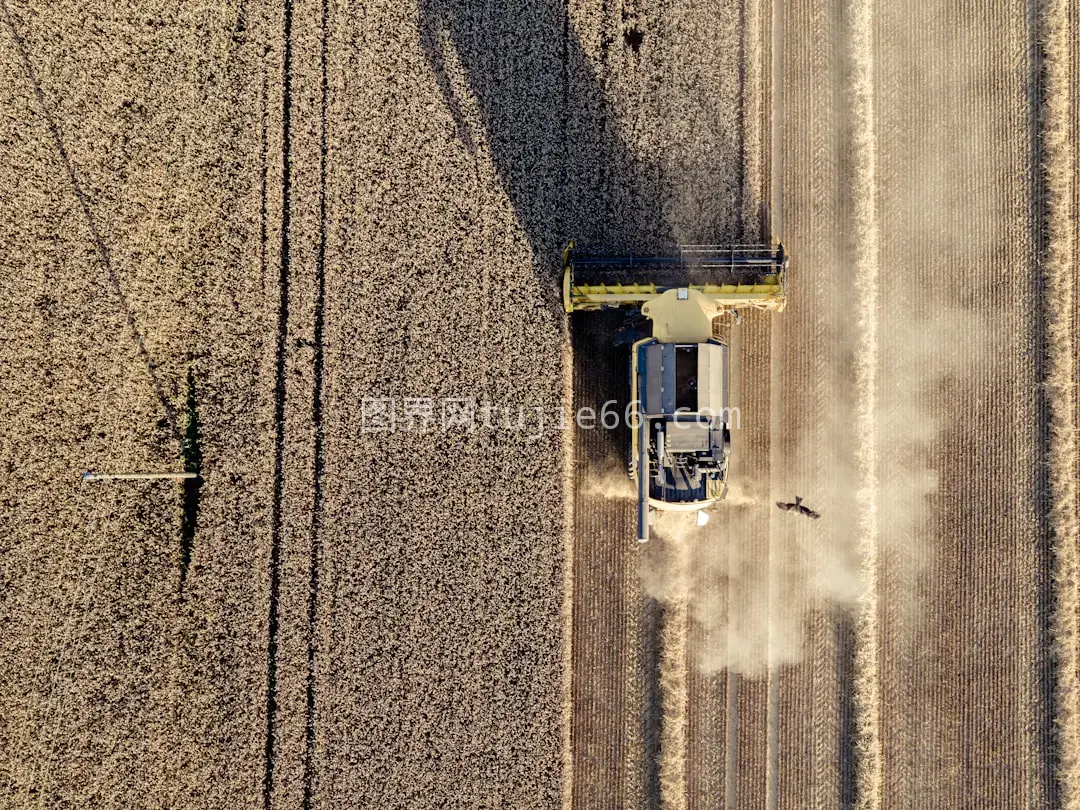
<point>732,277</point>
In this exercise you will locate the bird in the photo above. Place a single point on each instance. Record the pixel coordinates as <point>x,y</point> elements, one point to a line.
<point>798,506</point>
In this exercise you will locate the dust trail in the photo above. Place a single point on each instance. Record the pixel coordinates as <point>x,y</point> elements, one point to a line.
<point>675,533</point>
<point>864,252</point>
<point>1059,162</point>
<point>739,636</point>
<point>820,565</point>
<point>611,483</point>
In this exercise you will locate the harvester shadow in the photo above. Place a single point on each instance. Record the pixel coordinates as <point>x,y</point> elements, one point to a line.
<point>542,102</point>
<point>553,135</point>
<point>191,451</point>
<point>548,127</point>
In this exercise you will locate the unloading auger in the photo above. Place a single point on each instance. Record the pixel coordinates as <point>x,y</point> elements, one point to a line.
<point>680,414</point>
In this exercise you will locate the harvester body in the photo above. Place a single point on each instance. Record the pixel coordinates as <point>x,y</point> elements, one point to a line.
<point>681,415</point>
<point>680,431</point>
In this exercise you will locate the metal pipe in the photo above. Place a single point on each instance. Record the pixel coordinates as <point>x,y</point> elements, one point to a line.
<point>643,479</point>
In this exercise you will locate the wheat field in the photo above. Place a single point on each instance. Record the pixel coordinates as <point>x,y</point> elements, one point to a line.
<point>312,252</point>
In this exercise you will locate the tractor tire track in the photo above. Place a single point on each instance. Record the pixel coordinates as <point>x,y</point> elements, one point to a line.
<point>277,506</point>
<point>319,459</point>
<point>1049,693</point>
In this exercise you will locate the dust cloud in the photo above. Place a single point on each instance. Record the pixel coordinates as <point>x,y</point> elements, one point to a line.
<point>610,483</point>
<point>750,579</point>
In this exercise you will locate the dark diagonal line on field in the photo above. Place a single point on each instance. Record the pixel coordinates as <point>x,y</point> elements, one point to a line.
<point>88,214</point>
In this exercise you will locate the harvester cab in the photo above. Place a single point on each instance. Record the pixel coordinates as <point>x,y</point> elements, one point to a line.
<point>679,376</point>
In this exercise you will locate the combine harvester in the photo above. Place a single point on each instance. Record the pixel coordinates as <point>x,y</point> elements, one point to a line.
<point>680,425</point>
